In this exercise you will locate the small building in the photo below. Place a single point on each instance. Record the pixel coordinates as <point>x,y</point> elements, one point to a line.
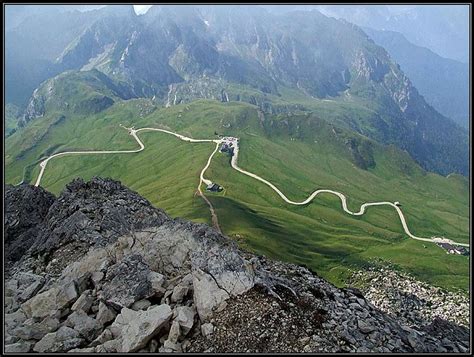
<point>453,249</point>
<point>214,187</point>
<point>224,147</point>
<point>227,148</point>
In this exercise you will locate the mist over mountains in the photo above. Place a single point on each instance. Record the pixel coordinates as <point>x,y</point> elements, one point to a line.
<point>442,81</point>
<point>177,54</point>
<point>441,28</point>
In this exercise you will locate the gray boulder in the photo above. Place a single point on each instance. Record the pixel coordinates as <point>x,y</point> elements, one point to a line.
<point>84,302</point>
<point>14,320</point>
<point>36,330</point>
<point>157,281</point>
<point>175,332</point>
<point>62,340</point>
<point>207,329</point>
<point>50,302</point>
<point>19,347</point>
<point>29,284</point>
<point>105,314</point>
<point>207,294</point>
<point>141,305</point>
<point>179,292</point>
<point>88,327</point>
<point>185,318</point>
<point>127,282</point>
<point>365,327</point>
<point>105,336</point>
<point>136,328</point>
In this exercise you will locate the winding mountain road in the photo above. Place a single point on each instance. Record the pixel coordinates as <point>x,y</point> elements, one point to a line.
<point>45,162</point>
<point>133,132</point>
<point>343,202</point>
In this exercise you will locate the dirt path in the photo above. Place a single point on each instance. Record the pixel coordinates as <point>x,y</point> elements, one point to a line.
<point>202,180</point>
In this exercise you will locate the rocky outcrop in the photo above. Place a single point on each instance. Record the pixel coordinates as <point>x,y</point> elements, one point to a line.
<point>25,208</point>
<point>154,284</point>
<point>219,89</point>
<point>35,108</point>
<point>93,213</point>
<point>311,315</point>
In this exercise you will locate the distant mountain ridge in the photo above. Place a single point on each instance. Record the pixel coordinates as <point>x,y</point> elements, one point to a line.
<point>442,28</point>
<point>443,82</point>
<point>193,52</point>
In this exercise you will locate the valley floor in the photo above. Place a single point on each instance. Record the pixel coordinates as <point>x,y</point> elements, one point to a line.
<point>234,144</point>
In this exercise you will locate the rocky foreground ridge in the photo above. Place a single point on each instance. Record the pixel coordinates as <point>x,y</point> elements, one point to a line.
<point>99,269</point>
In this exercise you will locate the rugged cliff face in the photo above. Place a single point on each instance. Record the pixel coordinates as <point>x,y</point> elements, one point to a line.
<point>25,210</point>
<point>177,54</point>
<point>104,271</point>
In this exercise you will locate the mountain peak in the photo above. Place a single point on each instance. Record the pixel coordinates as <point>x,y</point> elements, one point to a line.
<point>119,10</point>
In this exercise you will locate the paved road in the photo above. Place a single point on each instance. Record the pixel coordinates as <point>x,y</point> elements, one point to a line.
<point>343,202</point>
<point>45,162</point>
<point>133,132</point>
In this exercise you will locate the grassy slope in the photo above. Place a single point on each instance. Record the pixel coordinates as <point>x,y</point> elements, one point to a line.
<point>319,235</point>
<point>12,114</point>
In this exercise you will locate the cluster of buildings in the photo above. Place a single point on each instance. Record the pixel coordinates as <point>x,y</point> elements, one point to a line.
<point>228,144</point>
